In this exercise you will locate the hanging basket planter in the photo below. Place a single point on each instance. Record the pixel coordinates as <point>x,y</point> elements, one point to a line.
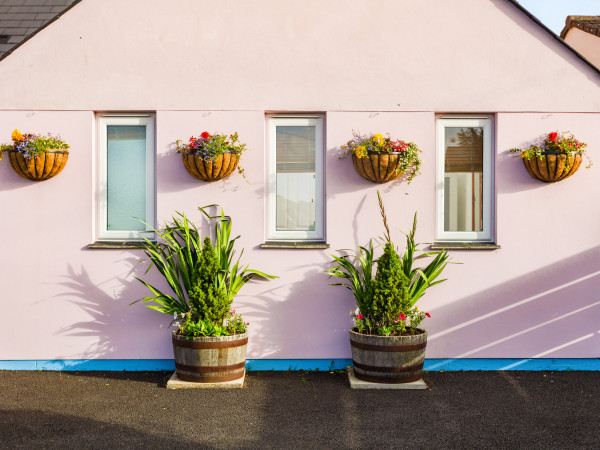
<point>553,157</point>
<point>36,157</point>
<point>40,167</point>
<point>378,167</point>
<point>381,159</point>
<point>222,166</point>
<point>211,157</point>
<point>553,166</point>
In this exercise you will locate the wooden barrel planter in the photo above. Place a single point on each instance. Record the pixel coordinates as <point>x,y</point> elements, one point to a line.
<point>388,359</point>
<point>38,168</point>
<point>211,359</point>
<point>554,166</point>
<point>378,167</point>
<point>223,165</point>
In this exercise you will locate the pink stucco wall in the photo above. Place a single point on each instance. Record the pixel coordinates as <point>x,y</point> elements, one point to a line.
<point>585,43</point>
<point>535,297</point>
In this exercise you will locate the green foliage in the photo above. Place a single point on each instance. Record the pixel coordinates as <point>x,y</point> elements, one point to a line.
<point>357,269</point>
<point>203,279</point>
<point>195,328</point>
<point>176,256</point>
<point>387,302</point>
<point>208,297</point>
<point>233,275</point>
<point>390,290</point>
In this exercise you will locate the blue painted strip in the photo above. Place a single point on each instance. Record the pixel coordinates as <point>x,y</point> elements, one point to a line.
<point>555,364</point>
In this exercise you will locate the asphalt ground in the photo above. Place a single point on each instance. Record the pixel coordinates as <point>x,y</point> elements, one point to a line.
<point>524,410</point>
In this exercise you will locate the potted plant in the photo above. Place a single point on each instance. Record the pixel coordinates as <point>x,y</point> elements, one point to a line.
<point>211,157</point>
<point>36,157</point>
<point>380,159</point>
<point>209,343</point>
<point>388,345</point>
<point>556,157</point>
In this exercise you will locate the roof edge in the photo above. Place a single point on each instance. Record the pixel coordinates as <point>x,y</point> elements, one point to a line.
<point>577,22</point>
<point>58,16</point>
<point>555,36</point>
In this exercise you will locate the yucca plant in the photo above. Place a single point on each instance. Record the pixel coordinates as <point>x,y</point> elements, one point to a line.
<point>185,259</point>
<point>374,311</point>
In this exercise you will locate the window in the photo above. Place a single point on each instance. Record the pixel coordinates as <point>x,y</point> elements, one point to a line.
<point>126,177</point>
<point>295,194</point>
<point>464,179</point>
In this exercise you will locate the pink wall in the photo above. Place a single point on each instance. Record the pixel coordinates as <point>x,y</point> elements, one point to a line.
<point>535,297</point>
<point>585,43</point>
<point>310,55</point>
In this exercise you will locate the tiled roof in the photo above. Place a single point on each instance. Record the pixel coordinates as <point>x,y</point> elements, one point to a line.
<point>589,24</point>
<point>19,19</point>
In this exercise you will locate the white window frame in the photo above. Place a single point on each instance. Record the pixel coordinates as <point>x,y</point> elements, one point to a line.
<point>318,234</point>
<point>486,123</point>
<point>104,121</point>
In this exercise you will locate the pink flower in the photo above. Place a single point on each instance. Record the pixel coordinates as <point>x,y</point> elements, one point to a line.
<point>359,317</point>
<point>402,316</point>
<point>428,315</point>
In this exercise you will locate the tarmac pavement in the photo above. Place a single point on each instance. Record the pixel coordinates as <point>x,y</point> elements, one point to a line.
<point>513,409</point>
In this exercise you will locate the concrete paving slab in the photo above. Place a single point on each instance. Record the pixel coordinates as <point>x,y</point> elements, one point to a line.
<point>355,383</point>
<point>175,383</point>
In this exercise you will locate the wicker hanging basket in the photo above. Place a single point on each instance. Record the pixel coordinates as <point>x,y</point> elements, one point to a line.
<point>223,165</point>
<point>554,166</point>
<point>41,167</point>
<point>378,167</point>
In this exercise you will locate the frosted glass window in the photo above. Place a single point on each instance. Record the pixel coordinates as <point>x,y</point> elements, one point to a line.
<point>125,190</point>
<point>295,178</point>
<point>465,179</point>
<point>126,177</point>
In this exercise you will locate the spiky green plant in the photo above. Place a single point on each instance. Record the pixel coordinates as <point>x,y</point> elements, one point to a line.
<point>181,258</point>
<point>387,302</point>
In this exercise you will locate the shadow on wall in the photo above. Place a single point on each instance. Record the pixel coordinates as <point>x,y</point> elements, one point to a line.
<point>298,318</point>
<point>111,326</point>
<point>550,312</point>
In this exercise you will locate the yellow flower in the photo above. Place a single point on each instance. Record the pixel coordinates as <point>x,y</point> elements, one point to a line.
<point>361,151</point>
<point>17,136</point>
<point>378,139</point>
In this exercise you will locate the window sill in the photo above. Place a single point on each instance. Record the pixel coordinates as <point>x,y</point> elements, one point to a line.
<point>105,245</point>
<point>294,244</point>
<point>464,246</point>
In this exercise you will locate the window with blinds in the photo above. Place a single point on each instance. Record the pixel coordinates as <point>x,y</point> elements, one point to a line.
<point>296,178</point>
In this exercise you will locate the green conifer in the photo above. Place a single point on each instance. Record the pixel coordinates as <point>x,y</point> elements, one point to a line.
<point>391,295</point>
<point>208,296</point>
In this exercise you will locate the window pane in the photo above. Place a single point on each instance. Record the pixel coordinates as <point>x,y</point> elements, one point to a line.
<point>296,184</point>
<point>126,177</point>
<point>463,179</point>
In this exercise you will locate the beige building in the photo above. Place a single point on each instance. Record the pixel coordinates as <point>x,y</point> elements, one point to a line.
<point>583,34</point>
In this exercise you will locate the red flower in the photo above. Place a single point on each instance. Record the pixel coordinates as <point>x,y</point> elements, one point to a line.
<point>205,135</point>
<point>428,315</point>
<point>552,136</point>
<point>402,316</point>
<point>359,317</point>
